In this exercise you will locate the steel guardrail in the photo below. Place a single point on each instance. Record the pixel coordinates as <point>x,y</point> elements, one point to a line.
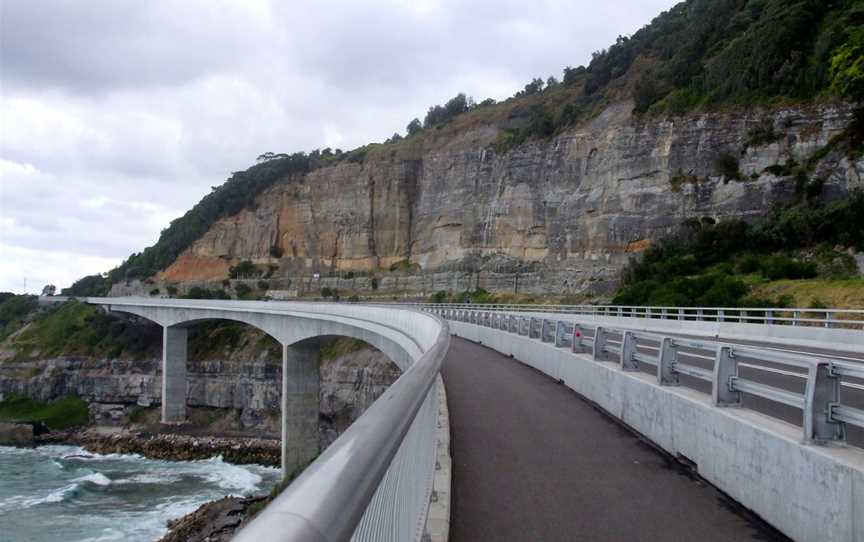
<point>827,318</point>
<point>825,417</point>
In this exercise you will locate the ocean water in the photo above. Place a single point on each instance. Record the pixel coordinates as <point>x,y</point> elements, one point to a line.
<point>64,493</point>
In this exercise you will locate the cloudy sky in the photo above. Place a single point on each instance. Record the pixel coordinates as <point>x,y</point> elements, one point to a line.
<point>117,116</point>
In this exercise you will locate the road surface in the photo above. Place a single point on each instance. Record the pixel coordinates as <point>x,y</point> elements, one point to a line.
<point>532,461</point>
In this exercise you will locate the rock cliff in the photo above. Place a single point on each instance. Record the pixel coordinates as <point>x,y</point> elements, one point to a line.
<point>249,390</point>
<point>564,214</point>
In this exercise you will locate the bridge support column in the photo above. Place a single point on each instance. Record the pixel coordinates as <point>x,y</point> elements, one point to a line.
<point>300,405</point>
<point>174,374</point>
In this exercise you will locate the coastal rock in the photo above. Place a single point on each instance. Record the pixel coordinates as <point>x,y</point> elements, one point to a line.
<point>16,434</point>
<point>117,389</point>
<point>213,522</point>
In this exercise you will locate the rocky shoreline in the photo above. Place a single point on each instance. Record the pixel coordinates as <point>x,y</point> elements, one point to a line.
<point>215,521</point>
<point>172,447</point>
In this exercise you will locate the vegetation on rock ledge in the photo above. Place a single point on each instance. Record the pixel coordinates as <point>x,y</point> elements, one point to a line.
<point>716,264</point>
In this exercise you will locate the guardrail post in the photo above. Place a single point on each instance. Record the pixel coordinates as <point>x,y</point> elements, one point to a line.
<point>532,328</point>
<point>681,314</point>
<point>546,331</point>
<point>600,338</point>
<point>700,315</point>
<point>576,344</point>
<point>725,371</point>
<point>827,319</point>
<point>796,318</point>
<point>769,317</point>
<point>628,348</point>
<point>721,316</point>
<point>666,360</point>
<point>822,391</point>
<point>559,334</point>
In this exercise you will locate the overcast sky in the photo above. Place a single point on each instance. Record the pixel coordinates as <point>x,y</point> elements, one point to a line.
<point>117,116</point>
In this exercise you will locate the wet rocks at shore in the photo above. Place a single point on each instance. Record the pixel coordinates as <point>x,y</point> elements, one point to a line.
<point>16,434</point>
<point>216,521</point>
<point>240,451</point>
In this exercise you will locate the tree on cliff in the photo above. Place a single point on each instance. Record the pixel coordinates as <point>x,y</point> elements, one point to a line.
<point>438,114</point>
<point>414,127</point>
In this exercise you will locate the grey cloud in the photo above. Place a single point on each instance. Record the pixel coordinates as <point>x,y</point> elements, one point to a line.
<point>99,46</point>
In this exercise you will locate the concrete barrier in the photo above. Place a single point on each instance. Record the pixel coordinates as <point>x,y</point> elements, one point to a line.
<point>810,493</point>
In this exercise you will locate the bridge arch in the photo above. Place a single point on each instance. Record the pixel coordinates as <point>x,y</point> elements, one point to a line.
<point>297,333</point>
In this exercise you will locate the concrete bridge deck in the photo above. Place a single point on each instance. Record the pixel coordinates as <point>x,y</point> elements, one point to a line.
<point>534,461</point>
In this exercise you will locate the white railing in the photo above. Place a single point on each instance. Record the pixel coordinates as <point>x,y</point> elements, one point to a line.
<point>828,318</point>
<point>825,417</point>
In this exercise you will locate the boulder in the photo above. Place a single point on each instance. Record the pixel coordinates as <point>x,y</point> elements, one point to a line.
<point>16,434</point>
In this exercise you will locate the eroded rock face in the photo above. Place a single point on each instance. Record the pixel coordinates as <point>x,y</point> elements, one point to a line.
<point>349,384</point>
<point>566,211</point>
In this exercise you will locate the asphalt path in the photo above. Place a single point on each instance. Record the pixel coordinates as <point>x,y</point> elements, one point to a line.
<point>533,461</point>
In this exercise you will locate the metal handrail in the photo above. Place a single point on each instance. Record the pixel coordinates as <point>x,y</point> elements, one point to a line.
<point>825,417</point>
<point>769,315</point>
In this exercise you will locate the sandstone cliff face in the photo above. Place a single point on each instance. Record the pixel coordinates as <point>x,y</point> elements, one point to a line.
<point>349,384</point>
<point>568,211</point>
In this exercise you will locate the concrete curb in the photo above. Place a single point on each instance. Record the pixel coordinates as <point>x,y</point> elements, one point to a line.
<point>438,516</point>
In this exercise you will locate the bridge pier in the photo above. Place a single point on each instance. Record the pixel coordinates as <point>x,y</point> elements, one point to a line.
<point>174,341</point>
<point>300,405</point>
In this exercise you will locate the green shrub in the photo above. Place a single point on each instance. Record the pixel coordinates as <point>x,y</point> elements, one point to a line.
<point>196,292</point>
<point>14,309</point>
<point>404,266</point>
<point>243,270</point>
<point>762,134</point>
<point>726,164</point>
<point>89,286</point>
<point>750,264</point>
<point>242,290</point>
<point>69,411</point>
<point>438,297</point>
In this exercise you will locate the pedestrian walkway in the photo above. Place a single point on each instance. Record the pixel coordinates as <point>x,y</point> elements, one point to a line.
<point>534,462</point>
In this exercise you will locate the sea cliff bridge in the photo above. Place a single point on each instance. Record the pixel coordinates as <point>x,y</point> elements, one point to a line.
<point>766,405</point>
